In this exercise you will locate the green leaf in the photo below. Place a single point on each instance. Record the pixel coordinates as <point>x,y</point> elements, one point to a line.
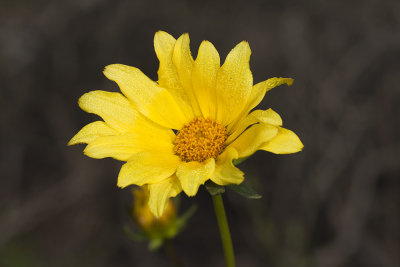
<point>213,188</point>
<point>238,161</point>
<point>245,190</point>
<point>135,236</point>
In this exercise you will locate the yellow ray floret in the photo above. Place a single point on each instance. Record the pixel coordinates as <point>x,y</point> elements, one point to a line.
<point>189,126</point>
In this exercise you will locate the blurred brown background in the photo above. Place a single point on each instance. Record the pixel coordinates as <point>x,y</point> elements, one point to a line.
<point>337,203</point>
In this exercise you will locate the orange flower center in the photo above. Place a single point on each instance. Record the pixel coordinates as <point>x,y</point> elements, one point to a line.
<point>199,140</point>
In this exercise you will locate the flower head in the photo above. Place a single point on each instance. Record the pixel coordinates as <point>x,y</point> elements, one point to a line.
<point>187,128</point>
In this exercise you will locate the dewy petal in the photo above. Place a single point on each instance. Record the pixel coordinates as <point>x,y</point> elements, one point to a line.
<point>259,90</point>
<point>92,131</point>
<point>241,127</point>
<point>183,62</point>
<point>164,46</point>
<point>114,108</point>
<point>193,174</point>
<point>285,142</point>
<point>204,77</point>
<point>265,116</point>
<point>153,101</point>
<point>161,192</point>
<point>168,76</point>
<point>258,93</point>
<point>225,172</point>
<point>234,84</point>
<point>147,168</point>
<point>123,147</point>
<point>143,135</point>
<point>253,138</point>
<point>120,147</point>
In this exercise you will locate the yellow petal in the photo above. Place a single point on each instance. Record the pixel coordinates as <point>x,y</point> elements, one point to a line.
<point>122,147</point>
<point>253,138</point>
<point>114,108</point>
<point>285,142</point>
<point>241,127</point>
<point>183,63</point>
<point>225,172</point>
<point>161,192</point>
<point>153,101</point>
<point>204,77</point>
<point>168,76</point>
<point>265,116</point>
<point>147,168</point>
<point>257,94</point>
<point>92,131</point>
<point>144,135</point>
<point>234,84</point>
<point>183,60</point>
<point>259,90</point>
<point>164,46</point>
<point>193,174</point>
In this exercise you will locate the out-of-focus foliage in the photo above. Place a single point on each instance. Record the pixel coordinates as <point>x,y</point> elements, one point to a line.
<point>334,204</point>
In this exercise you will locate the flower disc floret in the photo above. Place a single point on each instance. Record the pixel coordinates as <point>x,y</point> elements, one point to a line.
<point>199,140</point>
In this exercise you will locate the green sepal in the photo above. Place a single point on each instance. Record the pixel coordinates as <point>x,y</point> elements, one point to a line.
<point>135,236</point>
<point>128,209</point>
<point>177,201</point>
<point>154,244</point>
<point>245,190</point>
<point>213,188</point>
<point>238,161</point>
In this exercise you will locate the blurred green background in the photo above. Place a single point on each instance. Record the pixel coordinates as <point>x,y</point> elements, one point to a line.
<point>334,204</point>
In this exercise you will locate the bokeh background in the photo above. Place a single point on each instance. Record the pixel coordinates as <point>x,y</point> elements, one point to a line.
<point>337,203</point>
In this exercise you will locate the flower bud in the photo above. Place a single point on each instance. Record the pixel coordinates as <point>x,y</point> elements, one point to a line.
<point>154,228</point>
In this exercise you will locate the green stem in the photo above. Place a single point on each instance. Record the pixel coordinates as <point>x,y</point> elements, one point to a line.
<point>224,230</point>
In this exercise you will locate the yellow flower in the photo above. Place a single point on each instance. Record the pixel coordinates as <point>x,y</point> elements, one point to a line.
<point>188,127</point>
